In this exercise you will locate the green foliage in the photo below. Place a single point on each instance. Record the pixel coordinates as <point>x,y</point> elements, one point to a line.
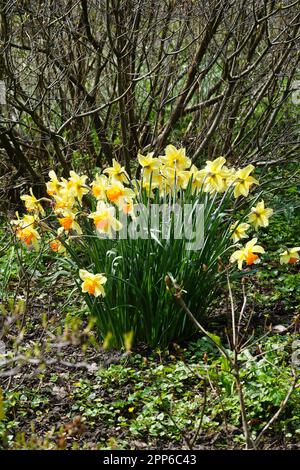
<point>163,401</point>
<point>155,405</point>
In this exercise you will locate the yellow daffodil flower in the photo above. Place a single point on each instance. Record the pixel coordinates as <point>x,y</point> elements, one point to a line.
<point>53,186</point>
<point>77,185</point>
<point>99,186</point>
<point>68,222</point>
<point>243,181</point>
<point>117,173</point>
<point>32,204</point>
<point>57,246</point>
<point>175,158</point>
<point>182,179</point>
<point>104,219</point>
<point>156,181</point>
<point>247,254</point>
<point>290,256</point>
<point>239,231</point>
<point>25,230</point>
<point>148,163</point>
<point>213,176</point>
<point>259,215</point>
<point>29,236</point>
<point>116,191</point>
<point>92,283</point>
<point>63,201</point>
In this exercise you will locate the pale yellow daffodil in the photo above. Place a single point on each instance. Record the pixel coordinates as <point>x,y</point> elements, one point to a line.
<point>117,172</point>
<point>25,230</point>
<point>99,186</point>
<point>57,246</point>
<point>92,283</point>
<point>116,191</point>
<point>32,204</point>
<point>213,176</point>
<point>68,222</point>
<point>198,178</point>
<point>242,181</point>
<point>228,176</point>
<point>239,231</point>
<point>104,219</point>
<point>77,185</point>
<point>127,206</point>
<point>64,200</point>
<point>247,254</point>
<point>54,185</point>
<point>176,178</point>
<point>148,163</point>
<point>259,215</point>
<point>290,256</point>
<point>175,158</point>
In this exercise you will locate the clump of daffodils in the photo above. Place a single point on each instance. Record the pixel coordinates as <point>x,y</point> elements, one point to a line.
<point>75,200</point>
<point>123,277</point>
